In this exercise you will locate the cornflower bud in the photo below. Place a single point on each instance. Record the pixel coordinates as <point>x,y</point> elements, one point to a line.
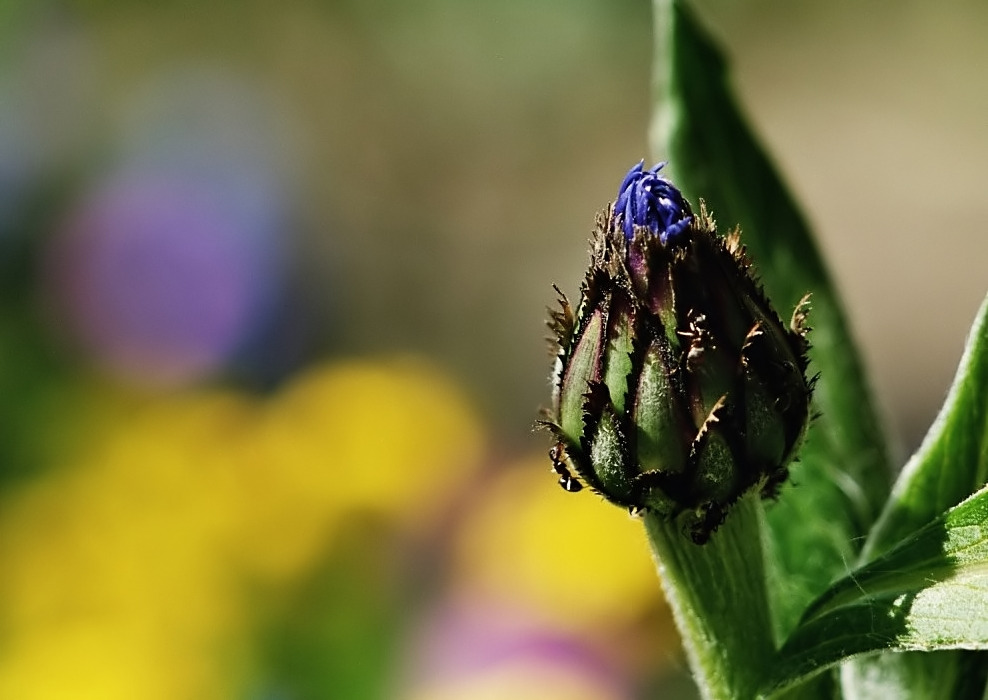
<point>676,386</point>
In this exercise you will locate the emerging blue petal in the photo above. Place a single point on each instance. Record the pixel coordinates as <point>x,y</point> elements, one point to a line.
<point>646,199</point>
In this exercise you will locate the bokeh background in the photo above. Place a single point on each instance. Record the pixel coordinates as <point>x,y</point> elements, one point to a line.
<point>272,286</point>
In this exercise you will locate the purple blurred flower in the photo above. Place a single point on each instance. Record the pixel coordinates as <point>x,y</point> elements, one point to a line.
<point>469,647</point>
<point>174,263</point>
<point>160,278</point>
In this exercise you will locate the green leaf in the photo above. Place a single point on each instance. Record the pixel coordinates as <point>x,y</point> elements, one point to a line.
<point>843,476</point>
<point>951,463</point>
<point>929,592</point>
<point>958,675</point>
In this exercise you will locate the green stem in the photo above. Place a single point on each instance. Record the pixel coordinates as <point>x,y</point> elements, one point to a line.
<point>718,597</point>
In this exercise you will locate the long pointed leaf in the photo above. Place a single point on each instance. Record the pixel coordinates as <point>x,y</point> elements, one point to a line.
<point>843,477</point>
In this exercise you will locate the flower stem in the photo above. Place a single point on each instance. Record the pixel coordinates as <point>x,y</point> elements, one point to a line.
<point>718,597</point>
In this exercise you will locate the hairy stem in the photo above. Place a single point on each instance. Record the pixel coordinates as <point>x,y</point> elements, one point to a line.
<point>718,597</point>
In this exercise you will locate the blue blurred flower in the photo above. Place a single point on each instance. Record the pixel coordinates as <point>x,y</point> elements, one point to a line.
<point>646,199</point>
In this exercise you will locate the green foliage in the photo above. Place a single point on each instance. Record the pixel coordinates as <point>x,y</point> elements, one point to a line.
<point>951,463</point>
<point>923,583</point>
<point>844,470</point>
<point>953,459</point>
<point>928,592</point>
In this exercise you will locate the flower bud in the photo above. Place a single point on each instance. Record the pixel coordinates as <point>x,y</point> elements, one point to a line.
<point>676,387</point>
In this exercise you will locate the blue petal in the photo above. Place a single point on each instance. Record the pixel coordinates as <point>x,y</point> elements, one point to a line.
<point>628,217</point>
<point>647,200</point>
<point>633,174</point>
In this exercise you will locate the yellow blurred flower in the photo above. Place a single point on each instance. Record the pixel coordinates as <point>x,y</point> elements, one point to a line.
<point>395,439</point>
<point>577,560</point>
<point>113,561</point>
<point>129,572</point>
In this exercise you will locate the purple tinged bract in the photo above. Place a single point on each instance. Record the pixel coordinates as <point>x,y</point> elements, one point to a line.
<point>647,200</point>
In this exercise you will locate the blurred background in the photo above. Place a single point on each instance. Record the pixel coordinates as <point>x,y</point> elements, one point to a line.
<point>272,290</point>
